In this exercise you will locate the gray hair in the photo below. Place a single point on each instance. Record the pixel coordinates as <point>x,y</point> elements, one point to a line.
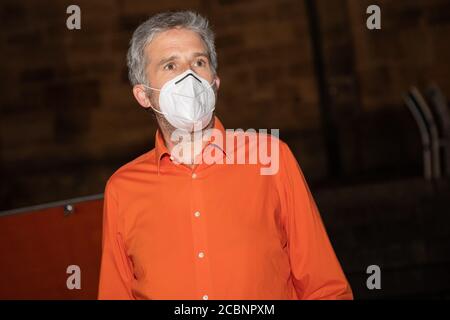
<point>142,36</point>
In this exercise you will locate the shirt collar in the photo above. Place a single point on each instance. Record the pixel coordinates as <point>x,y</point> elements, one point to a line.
<point>161,148</point>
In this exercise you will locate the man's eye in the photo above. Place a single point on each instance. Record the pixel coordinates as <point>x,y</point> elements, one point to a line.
<point>169,66</point>
<point>200,63</point>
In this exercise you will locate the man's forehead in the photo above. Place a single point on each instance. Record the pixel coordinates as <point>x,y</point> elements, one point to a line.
<point>181,40</point>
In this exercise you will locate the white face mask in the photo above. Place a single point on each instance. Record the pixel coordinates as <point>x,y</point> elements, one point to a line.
<point>187,101</point>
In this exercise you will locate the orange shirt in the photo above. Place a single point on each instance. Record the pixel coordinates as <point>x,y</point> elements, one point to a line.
<point>217,231</point>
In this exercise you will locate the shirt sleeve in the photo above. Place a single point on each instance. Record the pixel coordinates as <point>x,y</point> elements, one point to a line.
<point>315,269</point>
<point>115,269</point>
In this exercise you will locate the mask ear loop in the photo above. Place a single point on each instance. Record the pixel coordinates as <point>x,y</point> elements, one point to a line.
<point>163,113</point>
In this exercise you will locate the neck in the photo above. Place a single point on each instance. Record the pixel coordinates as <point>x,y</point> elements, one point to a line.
<point>167,133</point>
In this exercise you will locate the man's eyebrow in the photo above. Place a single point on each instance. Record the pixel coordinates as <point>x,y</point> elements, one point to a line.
<point>175,57</point>
<point>200,54</point>
<point>165,60</point>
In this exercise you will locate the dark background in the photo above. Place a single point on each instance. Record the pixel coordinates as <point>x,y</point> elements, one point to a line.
<point>312,69</point>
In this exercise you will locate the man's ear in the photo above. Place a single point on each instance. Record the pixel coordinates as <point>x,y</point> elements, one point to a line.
<point>141,96</point>
<point>217,82</point>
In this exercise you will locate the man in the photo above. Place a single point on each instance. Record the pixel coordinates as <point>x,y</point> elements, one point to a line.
<point>179,228</point>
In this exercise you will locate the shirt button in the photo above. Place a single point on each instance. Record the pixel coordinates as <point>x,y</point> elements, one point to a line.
<point>194,175</point>
<point>201,254</point>
<point>197,214</point>
<point>205,297</point>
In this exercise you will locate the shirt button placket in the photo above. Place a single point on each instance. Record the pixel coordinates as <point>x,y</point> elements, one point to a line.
<point>200,241</point>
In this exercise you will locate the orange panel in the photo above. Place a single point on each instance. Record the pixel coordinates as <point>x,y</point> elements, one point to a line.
<point>36,248</point>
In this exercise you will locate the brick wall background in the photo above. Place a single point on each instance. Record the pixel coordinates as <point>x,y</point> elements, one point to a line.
<point>68,119</point>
